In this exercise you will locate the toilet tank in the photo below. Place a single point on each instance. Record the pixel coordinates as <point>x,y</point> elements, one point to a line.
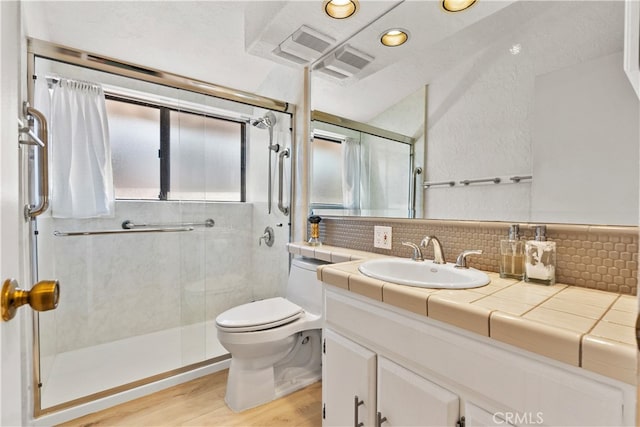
<point>303,286</point>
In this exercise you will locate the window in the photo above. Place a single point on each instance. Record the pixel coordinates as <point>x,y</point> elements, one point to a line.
<point>134,131</point>
<point>162,153</point>
<point>326,178</point>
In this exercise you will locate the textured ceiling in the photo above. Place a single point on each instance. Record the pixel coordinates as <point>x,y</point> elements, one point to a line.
<point>229,42</point>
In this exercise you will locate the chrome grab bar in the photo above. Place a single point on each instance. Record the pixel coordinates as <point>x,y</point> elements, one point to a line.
<point>412,207</point>
<point>428,184</point>
<point>129,225</point>
<point>476,181</point>
<point>515,179</point>
<point>284,153</point>
<point>32,211</point>
<point>98,233</point>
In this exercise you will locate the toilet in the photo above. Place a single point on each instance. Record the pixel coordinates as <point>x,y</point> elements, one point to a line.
<point>275,344</point>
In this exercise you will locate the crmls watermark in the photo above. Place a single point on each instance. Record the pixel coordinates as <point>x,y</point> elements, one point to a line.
<point>518,418</point>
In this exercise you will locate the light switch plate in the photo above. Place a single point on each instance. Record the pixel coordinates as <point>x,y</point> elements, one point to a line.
<point>381,237</point>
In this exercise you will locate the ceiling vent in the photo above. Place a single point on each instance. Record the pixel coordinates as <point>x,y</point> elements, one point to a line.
<point>345,62</point>
<point>304,45</point>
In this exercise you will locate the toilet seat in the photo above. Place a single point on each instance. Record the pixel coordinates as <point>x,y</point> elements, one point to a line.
<point>259,315</point>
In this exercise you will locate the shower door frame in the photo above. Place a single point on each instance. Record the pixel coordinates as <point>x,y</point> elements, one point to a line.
<point>55,52</point>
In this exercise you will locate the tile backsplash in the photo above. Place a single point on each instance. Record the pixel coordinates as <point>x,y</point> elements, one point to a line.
<point>597,257</point>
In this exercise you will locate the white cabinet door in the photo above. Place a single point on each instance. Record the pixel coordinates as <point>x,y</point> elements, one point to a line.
<point>407,399</point>
<point>348,373</point>
<point>474,416</point>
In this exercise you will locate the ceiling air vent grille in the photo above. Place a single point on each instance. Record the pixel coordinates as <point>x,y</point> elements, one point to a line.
<point>345,62</point>
<point>304,45</point>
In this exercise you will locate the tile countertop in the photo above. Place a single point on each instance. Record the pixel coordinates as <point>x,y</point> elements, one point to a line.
<point>588,328</point>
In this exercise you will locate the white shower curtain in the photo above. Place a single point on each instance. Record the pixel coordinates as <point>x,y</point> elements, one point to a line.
<point>81,174</point>
<point>351,173</point>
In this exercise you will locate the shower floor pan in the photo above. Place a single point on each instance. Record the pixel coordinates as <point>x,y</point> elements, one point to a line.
<point>84,372</point>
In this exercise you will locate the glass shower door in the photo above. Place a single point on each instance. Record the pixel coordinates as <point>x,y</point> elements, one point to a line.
<point>138,304</point>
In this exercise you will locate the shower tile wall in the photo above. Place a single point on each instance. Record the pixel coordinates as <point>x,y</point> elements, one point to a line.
<point>117,286</point>
<point>269,270</point>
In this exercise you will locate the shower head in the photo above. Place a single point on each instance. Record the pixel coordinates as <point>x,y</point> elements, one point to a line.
<point>266,122</point>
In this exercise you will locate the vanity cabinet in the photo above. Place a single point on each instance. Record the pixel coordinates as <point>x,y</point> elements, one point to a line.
<point>362,388</point>
<point>382,361</point>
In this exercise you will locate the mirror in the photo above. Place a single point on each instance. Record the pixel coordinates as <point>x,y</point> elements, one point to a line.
<point>358,169</point>
<point>513,90</point>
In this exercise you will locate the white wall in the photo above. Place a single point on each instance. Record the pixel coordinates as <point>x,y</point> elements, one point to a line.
<point>478,127</point>
<point>585,145</point>
<point>482,120</point>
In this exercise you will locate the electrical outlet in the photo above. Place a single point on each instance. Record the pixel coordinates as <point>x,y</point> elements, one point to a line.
<point>381,237</point>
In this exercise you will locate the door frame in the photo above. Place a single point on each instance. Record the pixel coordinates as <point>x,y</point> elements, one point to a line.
<point>14,360</point>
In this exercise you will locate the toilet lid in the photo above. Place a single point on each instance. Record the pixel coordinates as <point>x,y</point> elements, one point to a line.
<point>259,315</point>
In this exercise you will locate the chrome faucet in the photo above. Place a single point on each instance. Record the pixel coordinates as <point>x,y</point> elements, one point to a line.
<point>417,253</point>
<point>461,261</point>
<point>438,255</point>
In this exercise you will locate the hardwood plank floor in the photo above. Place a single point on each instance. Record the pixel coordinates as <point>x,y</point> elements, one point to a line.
<point>201,403</point>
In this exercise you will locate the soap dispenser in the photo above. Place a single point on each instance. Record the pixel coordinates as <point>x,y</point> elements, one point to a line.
<point>540,258</point>
<point>512,255</point>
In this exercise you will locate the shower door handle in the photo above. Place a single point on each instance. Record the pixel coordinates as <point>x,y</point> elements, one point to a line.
<point>43,296</point>
<point>284,153</point>
<point>32,211</point>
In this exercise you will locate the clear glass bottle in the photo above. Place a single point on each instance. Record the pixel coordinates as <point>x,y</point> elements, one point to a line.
<point>540,258</point>
<point>512,255</point>
<point>314,240</point>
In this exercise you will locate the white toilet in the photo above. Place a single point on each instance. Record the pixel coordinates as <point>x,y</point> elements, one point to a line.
<point>275,344</point>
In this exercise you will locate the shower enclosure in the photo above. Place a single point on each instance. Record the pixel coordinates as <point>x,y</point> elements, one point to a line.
<point>141,287</point>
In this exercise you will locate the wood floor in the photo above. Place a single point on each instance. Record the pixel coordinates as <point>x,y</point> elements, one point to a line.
<point>201,403</point>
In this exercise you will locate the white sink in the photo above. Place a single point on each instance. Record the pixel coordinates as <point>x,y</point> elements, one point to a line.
<point>423,274</point>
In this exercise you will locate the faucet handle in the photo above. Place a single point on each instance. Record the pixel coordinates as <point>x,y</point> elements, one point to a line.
<point>461,261</point>
<point>417,253</point>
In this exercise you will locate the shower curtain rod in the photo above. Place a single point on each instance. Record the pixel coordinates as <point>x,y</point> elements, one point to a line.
<point>55,80</point>
<point>56,52</point>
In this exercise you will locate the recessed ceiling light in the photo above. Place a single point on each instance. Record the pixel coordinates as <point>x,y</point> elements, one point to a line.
<point>515,49</point>
<point>457,5</point>
<point>394,37</point>
<point>340,9</point>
